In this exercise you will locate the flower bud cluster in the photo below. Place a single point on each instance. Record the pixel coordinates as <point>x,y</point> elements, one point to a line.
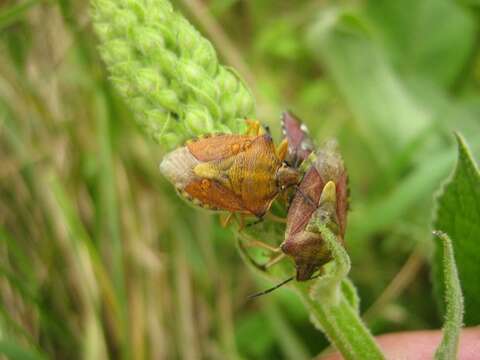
<point>168,72</point>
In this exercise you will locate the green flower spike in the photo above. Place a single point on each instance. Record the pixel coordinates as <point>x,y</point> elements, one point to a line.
<point>168,72</point>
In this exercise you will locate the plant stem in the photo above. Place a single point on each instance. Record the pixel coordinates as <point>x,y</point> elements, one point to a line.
<point>452,327</point>
<point>330,309</point>
<point>342,325</point>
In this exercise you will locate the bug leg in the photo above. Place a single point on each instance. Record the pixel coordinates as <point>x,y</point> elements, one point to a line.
<point>270,216</point>
<point>276,218</point>
<point>284,197</point>
<point>253,127</point>
<point>273,261</point>
<point>241,222</point>
<point>255,243</point>
<point>267,129</point>
<point>277,254</point>
<point>246,255</point>
<point>282,149</point>
<point>258,221</point>
<point>262,245</point>
<point>225,220</point>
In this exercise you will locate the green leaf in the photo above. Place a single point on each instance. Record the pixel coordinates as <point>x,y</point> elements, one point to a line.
<point>416,187</point>
<point>12,350</point>
<point>418,42</point>
<point>458,214</point>
<point>454,301</point>
<point>386,114</point>
<point>350,293</point>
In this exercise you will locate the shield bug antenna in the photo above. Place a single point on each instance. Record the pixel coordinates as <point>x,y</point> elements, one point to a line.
<point>286,281</point>
<point>264,292</point>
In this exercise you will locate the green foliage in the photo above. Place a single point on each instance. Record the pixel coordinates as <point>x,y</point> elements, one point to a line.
<point>457,214</point>
<point>14,351</point>
<point>342,40</point>
<point>415,37</point>
<point>15,12</point>
<point>168,72</point>
<point>454,302</point>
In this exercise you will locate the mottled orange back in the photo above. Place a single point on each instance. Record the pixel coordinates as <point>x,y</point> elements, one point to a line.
<point>212,195</point>
<point>220,146</point>
<point>253,175</point>
<point>242,171</point>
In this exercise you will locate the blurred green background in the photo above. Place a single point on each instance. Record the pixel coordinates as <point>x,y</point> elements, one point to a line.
<point>98,256</point>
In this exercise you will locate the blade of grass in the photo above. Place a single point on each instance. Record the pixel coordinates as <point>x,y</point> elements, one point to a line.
<point>12,350</point>
<point>15,12</point>
<point>86,251</point>
<point>108,217</point>
<point>288,340</point>
<point>108,220</point>
<point>386,113</point>
<point>188,345</point>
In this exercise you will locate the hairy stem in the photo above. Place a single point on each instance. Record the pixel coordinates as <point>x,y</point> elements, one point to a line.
<point>342,325</point>
<point>330,308</point>
<point>452,327</point>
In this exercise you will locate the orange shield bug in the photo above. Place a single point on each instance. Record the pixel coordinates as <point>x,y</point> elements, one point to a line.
<point>300,144</point>
<point>235,173</point>
<point>325,183</point>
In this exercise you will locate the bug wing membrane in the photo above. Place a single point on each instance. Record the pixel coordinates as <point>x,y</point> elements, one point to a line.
<point>300,144</point>
<point>300,210</point>
<point>177,166</point>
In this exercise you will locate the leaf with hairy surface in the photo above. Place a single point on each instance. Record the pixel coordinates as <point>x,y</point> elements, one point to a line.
<point>458,214</point>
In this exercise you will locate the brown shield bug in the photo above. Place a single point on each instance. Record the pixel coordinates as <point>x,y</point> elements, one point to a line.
<point>326,184</point>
